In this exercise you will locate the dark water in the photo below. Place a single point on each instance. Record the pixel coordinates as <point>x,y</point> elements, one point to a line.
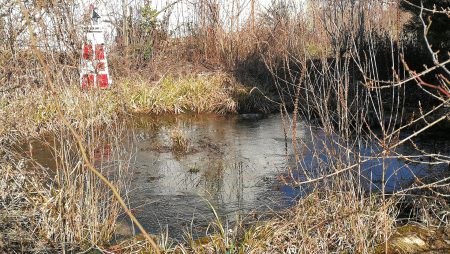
<point>233,165</point>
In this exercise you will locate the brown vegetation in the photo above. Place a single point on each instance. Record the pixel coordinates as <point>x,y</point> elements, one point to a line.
<point>342,65</point>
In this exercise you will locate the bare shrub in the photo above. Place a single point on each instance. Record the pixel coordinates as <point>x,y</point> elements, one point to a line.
<point>358,114</point>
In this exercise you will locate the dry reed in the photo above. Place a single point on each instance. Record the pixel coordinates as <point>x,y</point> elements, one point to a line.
<point>327,68</point>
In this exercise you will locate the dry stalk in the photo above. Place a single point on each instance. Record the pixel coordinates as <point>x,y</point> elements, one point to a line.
<point>78,138</point>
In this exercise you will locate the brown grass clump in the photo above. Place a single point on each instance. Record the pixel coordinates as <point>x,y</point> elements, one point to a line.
<point>321,222</point>
<point>203,93</point>
<point>18,193</point>
<point>326,222</point>
<point>32,112</point>
<point>180,143</point>
<point>80,210</point>
<point>68,209</point>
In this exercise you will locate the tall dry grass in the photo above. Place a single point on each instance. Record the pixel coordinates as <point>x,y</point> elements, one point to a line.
<point>19,192</point>
<point>339,66</point>
<point>80,209</point>
<point>64,208</point>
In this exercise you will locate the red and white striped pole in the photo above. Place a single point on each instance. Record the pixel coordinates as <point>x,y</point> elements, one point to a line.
<point>94,64</point>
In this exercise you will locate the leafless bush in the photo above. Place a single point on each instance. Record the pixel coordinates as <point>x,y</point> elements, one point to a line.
<point>58,35</point>
<point>360,116</point>
<point>325,61</point>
